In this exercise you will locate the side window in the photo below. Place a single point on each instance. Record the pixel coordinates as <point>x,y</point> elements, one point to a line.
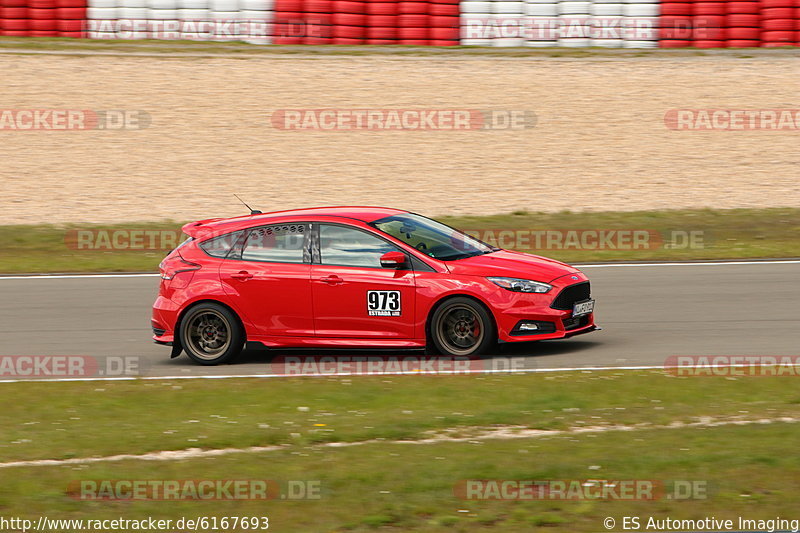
<point>278,244</point>
<point>220,246</point>
<point>340,245</point>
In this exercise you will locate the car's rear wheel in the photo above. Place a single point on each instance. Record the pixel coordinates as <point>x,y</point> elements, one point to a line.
<point>211,334</point>
<point>461,326</point>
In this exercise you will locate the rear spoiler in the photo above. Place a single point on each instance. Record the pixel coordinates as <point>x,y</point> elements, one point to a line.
<point>198,230</point>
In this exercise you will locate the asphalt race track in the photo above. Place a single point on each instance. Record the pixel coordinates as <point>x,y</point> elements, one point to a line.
<point>648,313</point>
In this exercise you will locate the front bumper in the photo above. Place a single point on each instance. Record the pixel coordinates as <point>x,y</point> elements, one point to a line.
<point>550,327</point>
<point>550,313</point>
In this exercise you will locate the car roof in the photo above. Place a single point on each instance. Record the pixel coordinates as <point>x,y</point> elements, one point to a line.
<point>222,225</point>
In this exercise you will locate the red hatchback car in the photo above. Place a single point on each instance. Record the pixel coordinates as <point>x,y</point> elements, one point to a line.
<point>357,277</point>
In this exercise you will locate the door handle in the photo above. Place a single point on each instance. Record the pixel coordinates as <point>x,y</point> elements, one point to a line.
<point>243,275</point>
<point>332,280</point>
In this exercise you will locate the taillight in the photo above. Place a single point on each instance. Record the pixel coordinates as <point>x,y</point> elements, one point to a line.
<point>171,266</point>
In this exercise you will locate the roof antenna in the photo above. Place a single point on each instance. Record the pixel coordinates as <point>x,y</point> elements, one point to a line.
<point>252,211</point>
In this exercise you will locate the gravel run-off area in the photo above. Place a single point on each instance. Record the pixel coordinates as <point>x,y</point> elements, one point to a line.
<point>600,141</point>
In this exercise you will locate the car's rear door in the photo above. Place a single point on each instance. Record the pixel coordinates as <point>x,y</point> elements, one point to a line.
<point>270,276</point>
<point>353,295</point>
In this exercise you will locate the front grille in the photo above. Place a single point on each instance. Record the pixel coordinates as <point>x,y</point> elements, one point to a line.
<point>158,332</point>
<point>569,295</point>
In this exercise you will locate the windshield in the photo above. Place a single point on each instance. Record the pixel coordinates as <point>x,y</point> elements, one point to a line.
<point>432,238</point>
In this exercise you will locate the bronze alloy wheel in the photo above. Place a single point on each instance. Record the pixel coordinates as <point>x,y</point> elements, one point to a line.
<point>206,334</point>
<point>459,329</point>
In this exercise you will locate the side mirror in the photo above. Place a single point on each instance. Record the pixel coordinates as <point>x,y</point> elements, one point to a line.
<point>393,260</point>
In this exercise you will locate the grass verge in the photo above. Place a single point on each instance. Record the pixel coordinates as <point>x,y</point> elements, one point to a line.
<point>107,418</point>
<point>747,470</point>
<point>718,234</point>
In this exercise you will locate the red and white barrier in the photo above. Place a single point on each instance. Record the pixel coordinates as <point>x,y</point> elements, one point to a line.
<point>535,23</point>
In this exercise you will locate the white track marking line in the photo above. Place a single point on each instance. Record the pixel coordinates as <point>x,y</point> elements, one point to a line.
<point>501,433</point>
<point>600,265</point>
<point>377,374</point>
<point>616,265</point>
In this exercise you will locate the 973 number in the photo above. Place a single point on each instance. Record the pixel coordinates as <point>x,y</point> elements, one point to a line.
<point>383,303</point>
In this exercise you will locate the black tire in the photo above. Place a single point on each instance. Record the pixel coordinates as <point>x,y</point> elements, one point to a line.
<point>461,326</point>
<point>211,334</point>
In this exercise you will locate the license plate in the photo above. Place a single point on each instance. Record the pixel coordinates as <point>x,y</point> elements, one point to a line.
<point>583,308</point>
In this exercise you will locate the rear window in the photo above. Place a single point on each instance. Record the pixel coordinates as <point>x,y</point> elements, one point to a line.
<point>222,245</point>
<point>277,244</point>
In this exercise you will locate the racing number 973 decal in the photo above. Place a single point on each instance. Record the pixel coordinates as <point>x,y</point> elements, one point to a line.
<point>383,303</point>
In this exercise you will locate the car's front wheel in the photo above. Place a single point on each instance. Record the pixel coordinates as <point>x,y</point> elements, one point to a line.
<point>211,334</point>
<point>461,326</point>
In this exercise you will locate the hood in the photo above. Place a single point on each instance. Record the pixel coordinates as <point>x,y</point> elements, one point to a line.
<point>513,265</point>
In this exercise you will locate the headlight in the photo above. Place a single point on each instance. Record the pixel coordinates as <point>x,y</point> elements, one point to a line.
<point>521,285</point>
